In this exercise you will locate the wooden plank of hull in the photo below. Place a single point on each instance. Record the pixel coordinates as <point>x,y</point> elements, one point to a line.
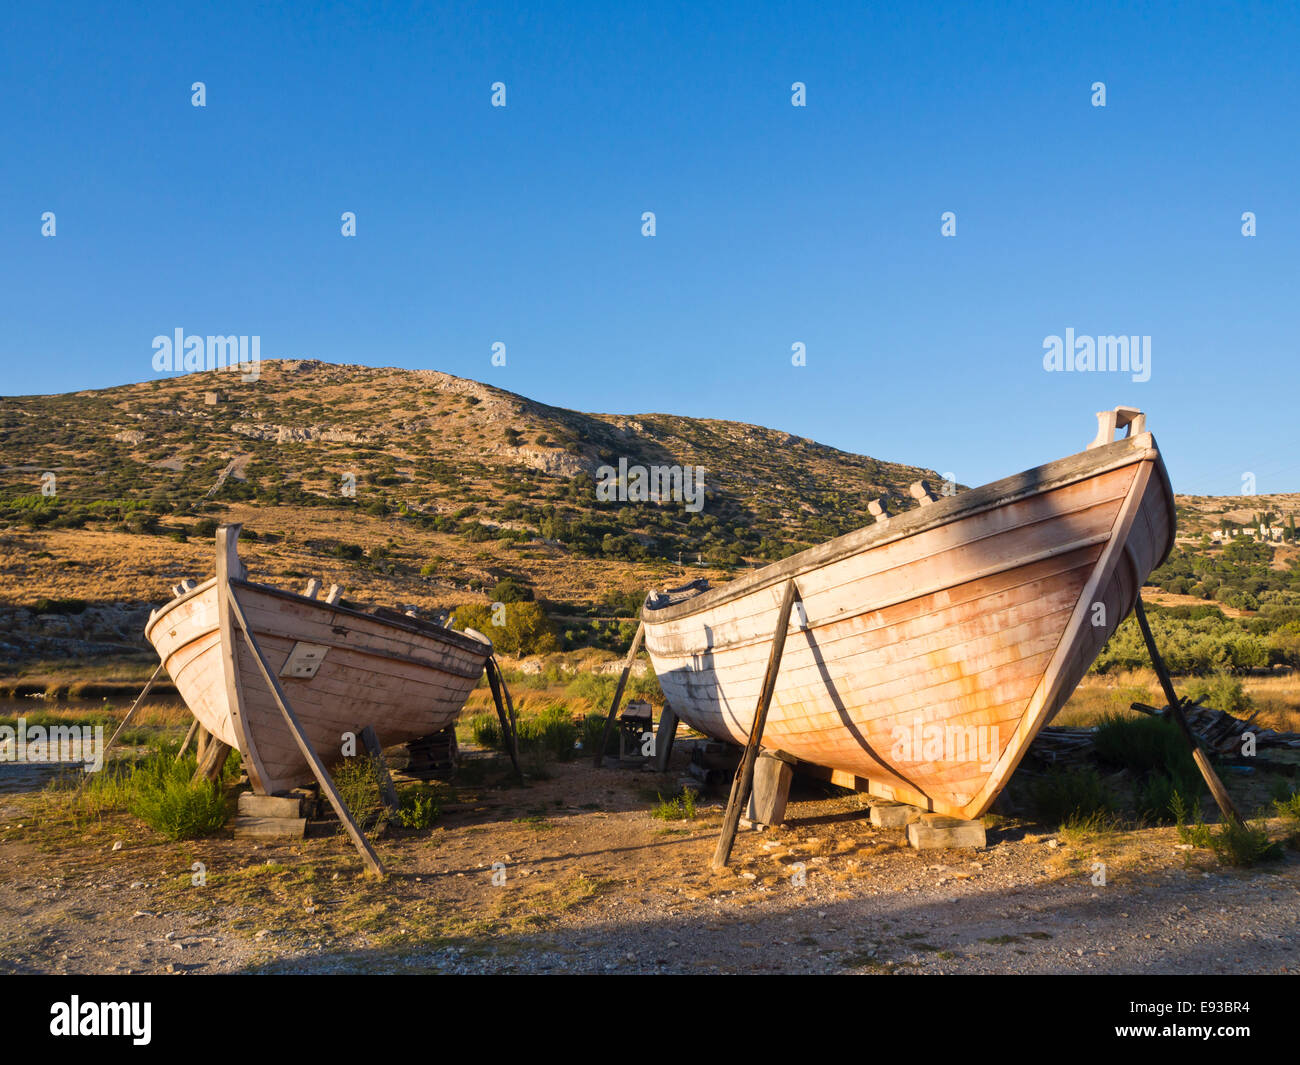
<point>924,665</point>
<point>404,683</point>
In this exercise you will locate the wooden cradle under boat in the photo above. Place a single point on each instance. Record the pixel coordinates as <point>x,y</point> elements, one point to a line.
<point>341,669</point>
<point>925,651</point>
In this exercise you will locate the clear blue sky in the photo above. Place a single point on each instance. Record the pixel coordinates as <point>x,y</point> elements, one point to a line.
<point>775,224</point>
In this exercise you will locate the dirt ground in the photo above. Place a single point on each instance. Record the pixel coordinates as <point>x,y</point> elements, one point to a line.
<point>587,880</point>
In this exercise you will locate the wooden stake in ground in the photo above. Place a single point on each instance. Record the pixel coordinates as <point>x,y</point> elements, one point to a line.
<point>505,713</point>
<point>212,760</point>
<point>304,745</point>
<point>664,738</point>
<point>134,707</point>
<point>103,758</point>
<point>194,727</point>
<point>618,694</point>
<point>387,789</point>
<point>744,779</point>
<point>1199,755</point>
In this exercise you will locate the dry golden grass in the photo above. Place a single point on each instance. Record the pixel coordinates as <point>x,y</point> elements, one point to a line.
<point>1276,698</point>
<point>98,565</point>
<point>1153,596</point>
<point>1099,696</point>
<point>1278,701</point>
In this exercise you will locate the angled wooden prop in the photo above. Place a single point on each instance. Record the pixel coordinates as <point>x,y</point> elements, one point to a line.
<point>618,694</point>
<point>185,746</point>
<point>126,720</point>
<point>505,713</point>
<point>134,707</point>
<point>387,789</point>
<point>510,709</point>
<point>290,719</point>
<point>212,755</point>
<point>1199,756</point>
<point>664,738</point>
<point>743,782</point>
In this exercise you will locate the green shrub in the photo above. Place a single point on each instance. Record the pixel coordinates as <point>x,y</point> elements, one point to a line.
<point>593,731</point>
<point>1159,795</point>
<point>1235,843</point>
<point>161,792</point>
<point>1066,796</point>
<point>680,807</point>
<point>598,688</point>
<point>1289,807</point>
<point>509,590</point>
<point>1222,692</point>
<point>420,807</point>
<point>526,630</point>
<point>551,733</point>
<point>1142,744</point>
<point>357,779</point>
<point>486,731</point>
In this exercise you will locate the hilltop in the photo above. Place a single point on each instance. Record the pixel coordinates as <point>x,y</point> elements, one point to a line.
<point>403,486</point>
<point>418,488</point>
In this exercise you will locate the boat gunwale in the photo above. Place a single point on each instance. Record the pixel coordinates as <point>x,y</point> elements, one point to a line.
<point>450,636</point>
<point>1059,473</point>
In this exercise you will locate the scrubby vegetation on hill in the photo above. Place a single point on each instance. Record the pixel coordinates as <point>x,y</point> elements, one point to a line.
<point>437,452</point>
<point>418,487</point>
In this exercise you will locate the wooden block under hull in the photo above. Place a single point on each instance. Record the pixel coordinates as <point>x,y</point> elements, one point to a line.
<point>270,827</point>
<point>251,805</point>
<point>937,832</point>
<point>893,814</point>
<point>773,773</point>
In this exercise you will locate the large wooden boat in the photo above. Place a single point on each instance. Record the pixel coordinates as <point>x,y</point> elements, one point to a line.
<point>340,668</point>
<point>925,651</point>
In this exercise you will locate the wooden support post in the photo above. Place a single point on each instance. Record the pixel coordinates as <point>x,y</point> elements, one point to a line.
<point>1199,756</point>
<point>510,709</point>
<point>215,753</point>
<point>304,745</point>
<point>931,832</point>
<point>387,790</point>
<point>139,699</point>
<point>194,727</point>
<point>664,738</point>
<point>773,772</point>
<point>505,713</point>
<point>744,779</point>
<point>618,694</point>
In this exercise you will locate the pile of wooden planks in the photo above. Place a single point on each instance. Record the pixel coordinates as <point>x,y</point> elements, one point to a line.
<point>1062,746</point>
<point>1223,733</point>
<point>433,757</point>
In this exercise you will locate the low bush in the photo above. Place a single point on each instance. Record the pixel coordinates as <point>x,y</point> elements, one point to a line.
<point>1065,796</point>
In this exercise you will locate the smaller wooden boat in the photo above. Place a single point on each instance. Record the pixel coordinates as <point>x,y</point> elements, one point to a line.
<point>340,668</point>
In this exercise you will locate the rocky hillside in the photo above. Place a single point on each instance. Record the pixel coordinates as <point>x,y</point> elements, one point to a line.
<point>433,445</point>
<point>423,489</point>
<point>411,486</point>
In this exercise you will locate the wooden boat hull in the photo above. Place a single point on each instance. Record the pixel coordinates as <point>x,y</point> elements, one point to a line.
<point>405,680</point>
<point>925,652</point>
